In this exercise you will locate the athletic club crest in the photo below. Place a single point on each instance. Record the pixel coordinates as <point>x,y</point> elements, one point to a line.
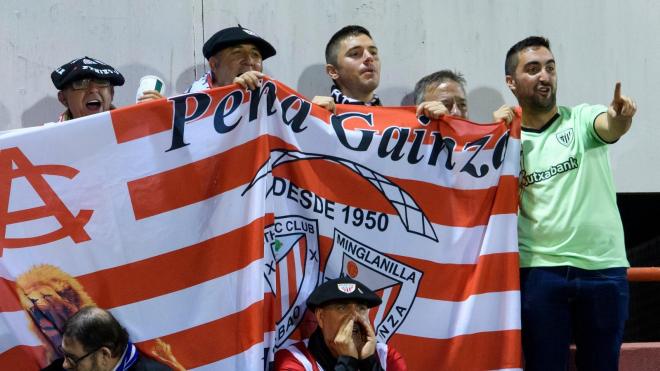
<point>346,287</point>
<point>291,269</point>
<point>395,282</point>
<point>565,137</point>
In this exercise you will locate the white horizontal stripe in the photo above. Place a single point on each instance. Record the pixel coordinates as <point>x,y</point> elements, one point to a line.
<point>251,359</point>
<point>439,319</point>
<point>15,330</point>
<point>211,300</point>
<point>53,144</point>
<point>501,234</point>
<point>140,239</point>
<point>457,245</point>
<point>136,156</point>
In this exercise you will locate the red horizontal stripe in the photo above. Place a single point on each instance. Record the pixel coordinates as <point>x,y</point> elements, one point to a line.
<point>23,358</point>
<point>463,207</point>
<point>457,282</point>
<point>480,351</point>
<point>325,247</point>
<point>442,205</point>
<point>9,301</point>
<point>172,271</point>
<point>200,180</point>
<point>270,316</point>
<point>141,120</point>
<point>216,340</point>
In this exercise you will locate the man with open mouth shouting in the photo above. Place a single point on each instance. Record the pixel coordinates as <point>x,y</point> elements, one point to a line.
<point>86,86</point>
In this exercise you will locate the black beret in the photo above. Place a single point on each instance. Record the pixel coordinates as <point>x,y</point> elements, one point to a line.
<point>343,288</point>
<point>233,36</point>
<point>84,67</point>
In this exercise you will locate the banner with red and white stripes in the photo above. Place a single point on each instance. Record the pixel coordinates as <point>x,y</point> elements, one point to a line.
<point>203,222</point>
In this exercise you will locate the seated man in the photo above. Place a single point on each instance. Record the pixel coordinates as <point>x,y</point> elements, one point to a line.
<point>94,340</point>
<point>443,93</point>
<point>235,55</point>
<point>86,86</point>
<point>344,339</point>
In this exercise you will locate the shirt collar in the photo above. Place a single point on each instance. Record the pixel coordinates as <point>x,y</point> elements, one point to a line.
<point>340,98</point>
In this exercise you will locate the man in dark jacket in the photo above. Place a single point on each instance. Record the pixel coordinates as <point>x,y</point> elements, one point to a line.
<point>93,340</point>
<point>344,339</point>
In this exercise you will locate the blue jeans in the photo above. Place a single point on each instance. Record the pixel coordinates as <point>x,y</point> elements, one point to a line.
<point>590,305</point>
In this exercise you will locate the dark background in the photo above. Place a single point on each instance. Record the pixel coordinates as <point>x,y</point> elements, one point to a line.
<point>640,213</point>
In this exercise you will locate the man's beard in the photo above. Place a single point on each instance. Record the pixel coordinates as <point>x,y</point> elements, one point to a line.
<point>540,105</point>
<point>545,104</point>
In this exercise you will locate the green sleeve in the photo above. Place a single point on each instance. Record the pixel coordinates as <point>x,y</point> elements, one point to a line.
<point>586,121</point>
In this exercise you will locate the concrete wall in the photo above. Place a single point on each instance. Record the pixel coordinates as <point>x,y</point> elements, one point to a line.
<point>595,43</point>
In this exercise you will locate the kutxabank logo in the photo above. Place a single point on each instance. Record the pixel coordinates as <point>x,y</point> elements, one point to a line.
<point>410,213</point>
<point>291,254</point>
<point>395,282</point>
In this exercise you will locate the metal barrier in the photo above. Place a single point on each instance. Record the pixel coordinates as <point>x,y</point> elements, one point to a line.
<point>644,274</point>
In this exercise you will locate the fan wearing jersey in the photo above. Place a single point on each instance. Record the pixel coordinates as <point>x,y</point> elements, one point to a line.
<point>572,254</point>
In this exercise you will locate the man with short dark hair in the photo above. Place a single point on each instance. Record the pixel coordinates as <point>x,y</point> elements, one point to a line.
<point>572,253</point>
<point>93,340</point>
<point>353,64</point>
<point>443,93</point>
<point>344,339</point>
<point>86,86</point>
<point>235,56</point>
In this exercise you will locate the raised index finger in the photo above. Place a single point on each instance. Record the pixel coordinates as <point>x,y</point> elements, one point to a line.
<point>617,91</point>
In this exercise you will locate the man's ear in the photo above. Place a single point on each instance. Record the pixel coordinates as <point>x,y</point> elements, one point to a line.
<point>213,63</point>
<point>105,352</point>
<point>62,98</point>
<point>511,83</point>
<point>331,71</point>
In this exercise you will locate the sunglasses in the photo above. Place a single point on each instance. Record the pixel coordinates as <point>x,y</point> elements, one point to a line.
<point>84,83</point>
<point>73,360</point>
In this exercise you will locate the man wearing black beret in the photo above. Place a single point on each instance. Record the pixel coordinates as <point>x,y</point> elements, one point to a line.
<point>235,56</point>
<point>86,86</point>
<point>344,339</point>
